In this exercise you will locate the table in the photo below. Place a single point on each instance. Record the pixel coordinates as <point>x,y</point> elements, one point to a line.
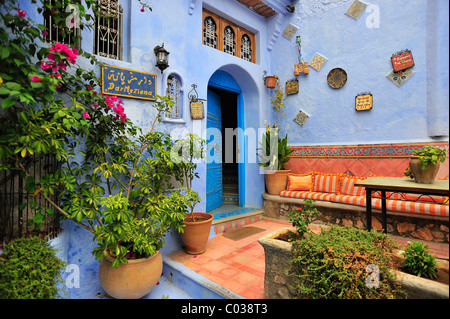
<point>395,184</point>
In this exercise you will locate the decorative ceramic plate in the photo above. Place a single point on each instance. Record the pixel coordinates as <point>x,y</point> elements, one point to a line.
<point>337,78</point>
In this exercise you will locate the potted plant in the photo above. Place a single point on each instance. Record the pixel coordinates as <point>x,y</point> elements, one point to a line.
<point>274,155</point>
<point>271,81</point>
<point>425,163</point>
<point>198,224</point>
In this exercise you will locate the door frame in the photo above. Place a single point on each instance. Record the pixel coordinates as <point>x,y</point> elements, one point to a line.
<point>225,81</point>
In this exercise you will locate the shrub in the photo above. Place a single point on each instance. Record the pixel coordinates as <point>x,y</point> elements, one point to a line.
<point>302,217</point>
<point>29,269</point>
<point>334,265</point>
<point>418,261</point>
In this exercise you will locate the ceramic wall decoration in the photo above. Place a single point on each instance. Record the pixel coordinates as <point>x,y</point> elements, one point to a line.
<point>290,31</point>
<point>292,87</point>
<point>317,61</point>
<point>402,60</point>
<point>301,118</point>
<point>399,77</point>
<point>363,101</point>
<point>197,110</point>
<point>356,9</point>
<point>301,67</point>
<point>337,78</point>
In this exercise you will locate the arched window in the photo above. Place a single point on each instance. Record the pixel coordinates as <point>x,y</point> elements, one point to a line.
<point>175,92</point>
<point>246,48</point>
<point>229,44</point>
<point>209,33</point>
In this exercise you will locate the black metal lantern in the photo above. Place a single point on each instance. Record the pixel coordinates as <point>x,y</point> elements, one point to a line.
<point>162,57</point>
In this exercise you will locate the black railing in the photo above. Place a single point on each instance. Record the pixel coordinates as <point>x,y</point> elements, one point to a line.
<point>18,206</point>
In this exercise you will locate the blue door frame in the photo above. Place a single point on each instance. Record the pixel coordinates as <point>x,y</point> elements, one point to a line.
<point>224,81</point>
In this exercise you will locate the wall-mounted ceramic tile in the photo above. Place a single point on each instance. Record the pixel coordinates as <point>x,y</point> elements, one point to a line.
<point>317,61</point>
<point>399,77</point>
<point>301,118</point>
<point>356,9</point>
<point>290,31</point>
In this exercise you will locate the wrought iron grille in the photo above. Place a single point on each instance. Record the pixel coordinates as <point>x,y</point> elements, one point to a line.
<point>209,33</point>
<point>16,210</point>
<point>57,33</point>
<point>108,33</point>
<point>229,45</point>
<point>246,48</point>
<point>174,91</point>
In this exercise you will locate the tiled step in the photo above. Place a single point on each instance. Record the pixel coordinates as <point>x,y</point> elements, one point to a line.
<point>225,222</point>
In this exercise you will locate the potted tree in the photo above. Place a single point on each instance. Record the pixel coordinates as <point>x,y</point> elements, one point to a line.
<point>425,163</point>
<point>274,155</point>
<point>198,224</point>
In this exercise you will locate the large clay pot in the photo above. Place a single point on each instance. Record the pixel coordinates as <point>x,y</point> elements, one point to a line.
<point>196,233</point>
<point>423,176</point>
<point>276,181</point>
<point>132,280</point>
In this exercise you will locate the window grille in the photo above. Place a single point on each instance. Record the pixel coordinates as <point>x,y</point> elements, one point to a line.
<point>108,34</point>
<point>57,33</point>
<point>174,91</point>
<point>229,45</point>
<point>209,33</point>
<point>246,48</point>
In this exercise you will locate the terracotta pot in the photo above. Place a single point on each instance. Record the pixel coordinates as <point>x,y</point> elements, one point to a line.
<point>276,181</point>
<point>196,234</point>
<point>423,176</point>
<point>130,281</point>
<point>271,81</point>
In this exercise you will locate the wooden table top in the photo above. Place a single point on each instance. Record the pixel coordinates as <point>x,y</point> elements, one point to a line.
<point>405,184</point>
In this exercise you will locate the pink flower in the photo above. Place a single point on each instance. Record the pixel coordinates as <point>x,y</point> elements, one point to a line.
<point>51,57</point>
<point>95,105</point>
<point>45,66</point>
<point>21,13</point>
<point>86,115</point>
<point>89,88</point>
<point>62,65</point>
<point>142,10</point>
<point>44,33</point>
<point>35,79</point>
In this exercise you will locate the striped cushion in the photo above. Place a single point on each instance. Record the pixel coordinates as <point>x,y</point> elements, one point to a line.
<point>350,199</point>
<point>327,183</point>
<point>348,187</point>
<point>306,194</point>
<point>426,198</point>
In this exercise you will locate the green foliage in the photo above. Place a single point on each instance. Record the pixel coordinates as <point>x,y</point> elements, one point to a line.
<point>418,261</point>
<point>29,269</point>
<point>302,217</point>
<point>429,155</point>
<point>274,149</point>
<point>114,179</point>
<point>333,265</point>
<point>277,100</point>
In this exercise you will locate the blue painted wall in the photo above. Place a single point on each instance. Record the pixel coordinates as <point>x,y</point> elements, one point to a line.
<point>416,111</point>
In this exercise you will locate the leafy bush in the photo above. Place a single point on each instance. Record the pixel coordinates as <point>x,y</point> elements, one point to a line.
<point>333,265</point>
<point>418,261</point>
<point>302,217</point>
<point>29,269</point>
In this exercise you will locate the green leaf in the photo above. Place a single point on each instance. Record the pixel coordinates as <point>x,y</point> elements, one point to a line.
<point>8,102</point>
<point>4,52</point>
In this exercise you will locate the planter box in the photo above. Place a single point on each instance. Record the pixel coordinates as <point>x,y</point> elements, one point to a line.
<point>277,281</point>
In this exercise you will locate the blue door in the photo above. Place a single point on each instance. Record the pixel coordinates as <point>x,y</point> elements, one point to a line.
<point>214,189</point>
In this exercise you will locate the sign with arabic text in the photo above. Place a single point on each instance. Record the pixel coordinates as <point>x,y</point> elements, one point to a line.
<point>363,102</point>
<point>128,83</point>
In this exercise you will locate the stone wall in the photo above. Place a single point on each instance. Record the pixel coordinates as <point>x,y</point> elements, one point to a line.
<point>428,228</point>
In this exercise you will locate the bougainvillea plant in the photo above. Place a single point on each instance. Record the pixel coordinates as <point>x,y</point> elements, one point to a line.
<point>113,179</point>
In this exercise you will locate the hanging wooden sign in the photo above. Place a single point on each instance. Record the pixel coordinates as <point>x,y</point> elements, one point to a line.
<point>292,87</point>
<point>363,101</point>
<point>197,111</point>
<point>402,60</point>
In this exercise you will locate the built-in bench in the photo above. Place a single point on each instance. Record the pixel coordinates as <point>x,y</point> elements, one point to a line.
<point>341,202</point>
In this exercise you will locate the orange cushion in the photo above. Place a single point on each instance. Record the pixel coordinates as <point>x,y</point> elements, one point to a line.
<point>326,183</point>
<point>299,182</point>
<point>347,185</point>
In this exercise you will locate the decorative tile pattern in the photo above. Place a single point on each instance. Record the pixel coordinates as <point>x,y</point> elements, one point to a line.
<point>290,31</point>
<point>317,61</point>
<point>356,9</point>
<point>399,77</point>
<point>301,118</point>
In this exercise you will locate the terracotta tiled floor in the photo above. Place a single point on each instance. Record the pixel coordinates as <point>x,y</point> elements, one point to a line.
<point>235,265</point>
<point>239,265</point>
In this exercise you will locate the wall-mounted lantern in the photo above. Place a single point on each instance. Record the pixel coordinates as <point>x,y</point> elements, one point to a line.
<point>162,57</point>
